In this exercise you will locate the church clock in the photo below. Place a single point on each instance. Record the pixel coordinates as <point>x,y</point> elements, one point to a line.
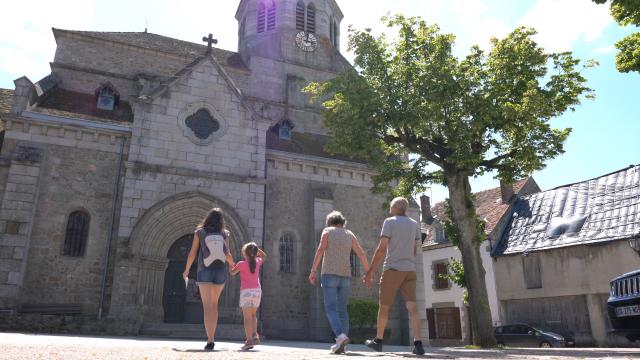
<point>306,41</point>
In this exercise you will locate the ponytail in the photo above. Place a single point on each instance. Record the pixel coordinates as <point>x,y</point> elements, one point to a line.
<point>251,252</point>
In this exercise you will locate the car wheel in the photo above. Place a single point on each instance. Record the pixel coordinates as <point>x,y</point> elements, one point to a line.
<point>545,344</point>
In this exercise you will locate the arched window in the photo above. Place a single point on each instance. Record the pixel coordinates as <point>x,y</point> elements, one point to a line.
<point>311,18</point>
<point>261,17</point>
<point>75,240</point>
<point>300,16</point>
<point>286,253</point>
<point>355,268</point>
<point>271,16</point>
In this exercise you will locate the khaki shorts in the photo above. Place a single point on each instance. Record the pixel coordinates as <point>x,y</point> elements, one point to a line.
<point>391,281</point>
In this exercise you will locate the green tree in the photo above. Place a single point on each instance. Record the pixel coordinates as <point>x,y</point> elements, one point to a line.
<point>420,115</point>
<point>626,12</point>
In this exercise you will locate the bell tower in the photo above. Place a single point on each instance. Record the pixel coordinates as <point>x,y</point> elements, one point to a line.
<point>305,32</point>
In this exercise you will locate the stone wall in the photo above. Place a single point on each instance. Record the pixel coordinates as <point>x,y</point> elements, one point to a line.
<point>54,169</point>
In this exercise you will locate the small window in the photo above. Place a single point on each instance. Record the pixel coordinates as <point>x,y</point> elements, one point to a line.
<point>331,33</point>
<point>355,266</point>
<point>286,253</point>
<point>300,16</point>
<point>311,18</point>
<point>75,240</point>
<point>271,16</point>
<point>284,131</point>
<point>106,99</point>
<point>440,280</point>
<point>261,17</point>
<point>336,34</point>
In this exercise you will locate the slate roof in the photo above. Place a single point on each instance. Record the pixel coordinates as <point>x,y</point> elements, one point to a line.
<point>70,104</point>
<point>489,206</point>
<point>599,210</point>
<point>165,44</point>
<point>304,144</point>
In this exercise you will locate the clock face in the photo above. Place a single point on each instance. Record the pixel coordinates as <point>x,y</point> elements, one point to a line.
<point>306,41</point>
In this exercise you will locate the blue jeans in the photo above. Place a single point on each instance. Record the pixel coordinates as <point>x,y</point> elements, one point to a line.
<point>336,291</point>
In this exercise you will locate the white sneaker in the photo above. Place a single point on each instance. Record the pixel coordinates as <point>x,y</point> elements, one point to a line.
<point>341,341</point>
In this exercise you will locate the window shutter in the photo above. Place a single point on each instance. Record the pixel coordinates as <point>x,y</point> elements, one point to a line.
<point>457,326</point>
<point>271,16</point>
<point>261,17</point>
<point>300,16</point>
<point>432,323</point>
<point>311,18</point>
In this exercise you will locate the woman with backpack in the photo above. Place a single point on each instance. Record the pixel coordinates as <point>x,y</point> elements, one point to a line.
<point>211,247</point>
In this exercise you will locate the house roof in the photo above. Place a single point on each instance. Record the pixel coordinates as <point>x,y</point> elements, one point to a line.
<point>304,144</point>
<point>489,206</point>
<point>71,104</point>
<point>165,44</point>
<point>599,210</point>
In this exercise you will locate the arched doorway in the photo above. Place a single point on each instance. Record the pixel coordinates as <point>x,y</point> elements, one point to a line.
<point>149,258</point>
<point>182,302</point>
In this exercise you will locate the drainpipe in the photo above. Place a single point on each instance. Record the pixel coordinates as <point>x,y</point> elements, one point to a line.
<point>264,232</point>
<point>114,203</point>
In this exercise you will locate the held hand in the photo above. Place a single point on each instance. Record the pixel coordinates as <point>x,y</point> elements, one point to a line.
<point>367,280</point>
<point>185,274</point>
<point>312,278</point>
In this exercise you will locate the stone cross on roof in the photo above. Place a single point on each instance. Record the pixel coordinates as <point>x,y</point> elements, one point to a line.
<point>210,41</point>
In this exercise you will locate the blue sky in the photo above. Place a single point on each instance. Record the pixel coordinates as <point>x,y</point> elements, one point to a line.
<point>605,136</point>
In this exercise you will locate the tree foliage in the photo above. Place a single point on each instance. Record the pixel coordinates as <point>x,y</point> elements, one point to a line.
<point>626,12</point>
<point>487,111</point>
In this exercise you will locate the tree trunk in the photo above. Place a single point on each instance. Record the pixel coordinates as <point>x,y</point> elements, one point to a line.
<point>464,217</point>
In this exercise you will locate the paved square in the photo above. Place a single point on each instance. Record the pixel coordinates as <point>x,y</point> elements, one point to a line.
<point>26,346</point>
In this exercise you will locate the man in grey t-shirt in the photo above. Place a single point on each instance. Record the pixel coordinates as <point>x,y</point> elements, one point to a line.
<point>398,246</point>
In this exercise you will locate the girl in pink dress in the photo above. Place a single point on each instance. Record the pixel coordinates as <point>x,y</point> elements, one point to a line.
<point>250,291</point>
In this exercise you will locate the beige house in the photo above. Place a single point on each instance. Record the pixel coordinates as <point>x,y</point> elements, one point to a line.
<point>561,248</point>
<point>448,316</point>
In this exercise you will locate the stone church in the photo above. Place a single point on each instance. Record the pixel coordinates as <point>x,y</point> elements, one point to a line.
<point>108,163</point>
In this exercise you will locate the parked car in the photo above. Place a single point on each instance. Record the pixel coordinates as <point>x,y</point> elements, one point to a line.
<point>523,335</point>
<point>624,305</point>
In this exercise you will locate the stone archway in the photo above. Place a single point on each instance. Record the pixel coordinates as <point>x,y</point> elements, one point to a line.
<point>154,234</point>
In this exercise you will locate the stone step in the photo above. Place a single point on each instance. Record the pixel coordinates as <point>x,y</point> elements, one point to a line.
<point>192,331</point>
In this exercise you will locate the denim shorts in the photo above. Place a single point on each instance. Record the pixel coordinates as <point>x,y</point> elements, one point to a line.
<point>213,275</point>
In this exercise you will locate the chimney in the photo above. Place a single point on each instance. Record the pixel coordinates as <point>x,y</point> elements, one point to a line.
<point>425,206</point>
<point>507,192</point>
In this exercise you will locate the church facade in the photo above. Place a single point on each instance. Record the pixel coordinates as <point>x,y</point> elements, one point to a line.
<point>108,164</point>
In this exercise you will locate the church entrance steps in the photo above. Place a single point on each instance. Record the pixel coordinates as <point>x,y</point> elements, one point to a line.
<point>192,331</point>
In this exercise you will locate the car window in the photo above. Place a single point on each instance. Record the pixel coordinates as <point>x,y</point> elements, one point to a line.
<point>508,329</point>
<point>520,329</point>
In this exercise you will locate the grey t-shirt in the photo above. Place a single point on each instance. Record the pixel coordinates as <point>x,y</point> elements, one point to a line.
<point>403,232</point>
